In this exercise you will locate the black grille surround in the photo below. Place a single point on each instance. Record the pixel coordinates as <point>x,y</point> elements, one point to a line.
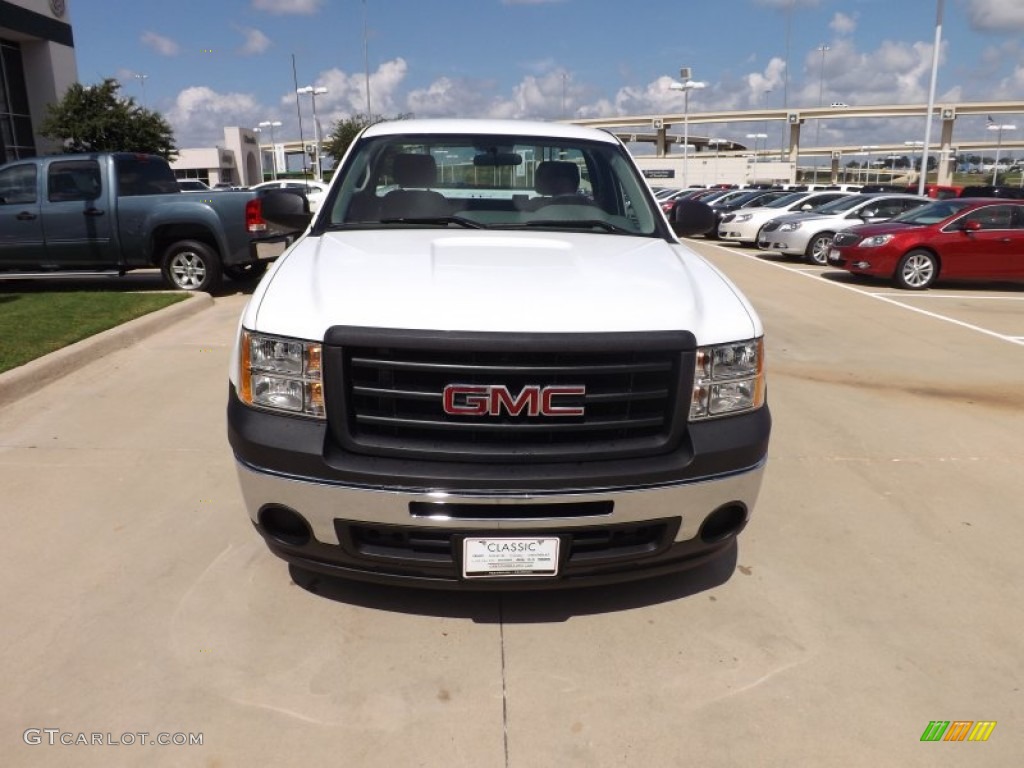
<point>841,239</point>
<point>384,393</point>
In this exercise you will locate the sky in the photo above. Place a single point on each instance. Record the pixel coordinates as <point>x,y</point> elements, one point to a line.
<point>214,63</point>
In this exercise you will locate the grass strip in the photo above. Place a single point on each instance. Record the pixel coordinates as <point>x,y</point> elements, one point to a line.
<point>35,324</point>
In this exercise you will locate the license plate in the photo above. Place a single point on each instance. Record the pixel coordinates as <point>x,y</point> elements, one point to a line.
<point>483,558</point>
<point>833,255</point>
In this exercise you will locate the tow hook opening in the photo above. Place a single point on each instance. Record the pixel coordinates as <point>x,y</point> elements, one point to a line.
<point>726,521</point>
<point>284,525</point>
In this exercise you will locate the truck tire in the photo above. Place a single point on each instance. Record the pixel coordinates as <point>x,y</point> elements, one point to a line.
<point>190,265</point>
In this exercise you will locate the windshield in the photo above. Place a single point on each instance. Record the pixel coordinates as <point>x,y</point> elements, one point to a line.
<point>491,182</point>
<point>932,213</point>
<point>842,204</point>
<point>785,200</point>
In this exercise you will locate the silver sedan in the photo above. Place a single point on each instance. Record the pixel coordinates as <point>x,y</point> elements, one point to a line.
<point>810,234</point>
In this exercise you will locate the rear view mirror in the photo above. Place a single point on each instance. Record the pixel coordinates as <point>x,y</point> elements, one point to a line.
<point>286,210</point>
<point>692,217</point>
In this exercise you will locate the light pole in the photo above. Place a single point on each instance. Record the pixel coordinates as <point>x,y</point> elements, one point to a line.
<point>999,144</point>
<point>718,144</point>
<point>313,93</point>
<point>822,49</point>
<point>867,150</point>
<point>366,65</point>
<point>686,86</point>
<point>939,5</point>
<point>142,82</point>
<point>917,145</point>
<point>271,124</point>
<point>259,151</point>
<point>755,137</point>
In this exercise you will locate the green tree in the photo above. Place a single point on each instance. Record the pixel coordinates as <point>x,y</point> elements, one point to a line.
<point>93,118</point>
<point>345,131</point>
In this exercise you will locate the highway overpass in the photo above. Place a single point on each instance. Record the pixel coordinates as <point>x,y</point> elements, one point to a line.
<point>655,129</point>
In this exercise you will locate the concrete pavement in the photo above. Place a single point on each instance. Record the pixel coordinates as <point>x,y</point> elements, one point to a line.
<point>876,588</point>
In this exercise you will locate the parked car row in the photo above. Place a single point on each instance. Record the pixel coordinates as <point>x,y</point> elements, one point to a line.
<point>911,240</point>
<point>313,190</point>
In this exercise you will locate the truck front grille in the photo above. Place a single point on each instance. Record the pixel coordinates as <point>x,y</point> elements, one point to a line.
<point>385,393</point>
<point>440,547</point>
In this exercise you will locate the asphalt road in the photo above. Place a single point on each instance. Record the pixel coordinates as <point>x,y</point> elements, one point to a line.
<point>877,588</point>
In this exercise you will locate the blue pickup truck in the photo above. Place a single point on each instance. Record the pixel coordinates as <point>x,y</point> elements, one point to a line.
<point>110,213</point>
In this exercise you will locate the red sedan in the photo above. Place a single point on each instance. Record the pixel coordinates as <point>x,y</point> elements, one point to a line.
<point>960,238</point>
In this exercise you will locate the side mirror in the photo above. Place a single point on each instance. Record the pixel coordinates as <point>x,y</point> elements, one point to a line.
<point>692,217</point>
<point>806,207</point>
<point>971,225</point>
<point>286,210</point>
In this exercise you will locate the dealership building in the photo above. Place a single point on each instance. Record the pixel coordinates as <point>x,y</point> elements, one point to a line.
<point>37,64</point>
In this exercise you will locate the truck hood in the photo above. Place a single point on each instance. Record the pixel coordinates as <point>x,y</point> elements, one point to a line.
<point>501,282</point>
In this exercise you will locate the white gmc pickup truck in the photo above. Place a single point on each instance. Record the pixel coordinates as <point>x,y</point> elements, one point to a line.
<point>489,363</point>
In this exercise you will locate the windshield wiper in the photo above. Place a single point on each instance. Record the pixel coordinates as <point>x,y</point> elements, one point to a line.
<point>468,223</point>
<point>607,226</point>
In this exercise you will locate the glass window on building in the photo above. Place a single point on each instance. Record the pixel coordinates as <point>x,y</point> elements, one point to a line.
<point>16,140</point>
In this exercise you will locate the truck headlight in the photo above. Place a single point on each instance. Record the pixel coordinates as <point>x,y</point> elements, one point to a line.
<point>874,242</point>
<point>728,378</point>
<point>281,374</point>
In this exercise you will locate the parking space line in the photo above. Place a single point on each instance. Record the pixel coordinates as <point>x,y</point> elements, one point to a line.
<point>930,295</point>
<point>885,297</point>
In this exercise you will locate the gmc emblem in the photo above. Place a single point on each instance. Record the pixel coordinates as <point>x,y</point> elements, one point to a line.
<point>491,400</point>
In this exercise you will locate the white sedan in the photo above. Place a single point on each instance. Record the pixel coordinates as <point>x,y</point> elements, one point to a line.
<point>313,190</point>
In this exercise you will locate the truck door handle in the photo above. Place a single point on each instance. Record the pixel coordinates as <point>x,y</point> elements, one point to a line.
<point>25,216</point>
<point>93,212</point>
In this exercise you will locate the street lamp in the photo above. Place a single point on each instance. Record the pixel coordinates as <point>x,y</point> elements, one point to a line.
<point>822,49</point>
<point>313,93</point>
<point>686,86</point>
<point>999,143</point>
<point>755,137</point>
<point>271,124</point>
<point>259,151</point>
<point>868,150</point>
<point>142,83</point>
<point>917,145</point>
<point>718,143</point>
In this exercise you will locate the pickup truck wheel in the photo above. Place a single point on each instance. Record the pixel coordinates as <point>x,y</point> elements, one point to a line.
<point>817,249</point>
<point>190,265</point>
<point>245,271</point>
<point>917,270</point>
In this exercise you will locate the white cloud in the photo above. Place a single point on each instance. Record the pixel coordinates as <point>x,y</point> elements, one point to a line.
<point>255,41</point>
<point>282,7</point>
<point>996,15</point>
<point>199,115</point>
<point>162,45</point>
<point>842,24</point>
<point>771,79</point>
<point>346,94</point>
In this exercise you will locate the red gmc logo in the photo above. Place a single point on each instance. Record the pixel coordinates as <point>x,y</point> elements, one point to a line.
<point>491,400</point>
